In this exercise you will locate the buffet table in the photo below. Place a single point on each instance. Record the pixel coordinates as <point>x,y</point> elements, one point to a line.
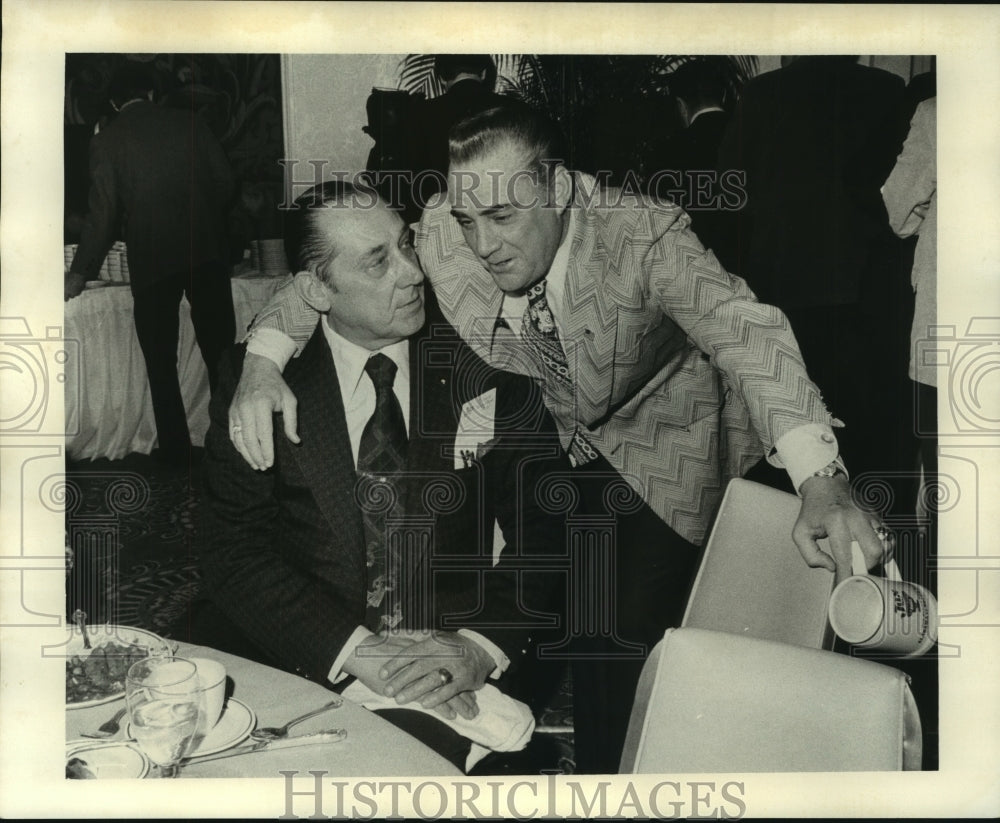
<point>372,746</point>
<point>109,412</point>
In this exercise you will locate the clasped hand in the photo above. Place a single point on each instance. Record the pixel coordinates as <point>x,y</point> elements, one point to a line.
<point>409,666</point>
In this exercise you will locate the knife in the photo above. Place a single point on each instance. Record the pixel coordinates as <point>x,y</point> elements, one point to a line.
<point>317,738</point>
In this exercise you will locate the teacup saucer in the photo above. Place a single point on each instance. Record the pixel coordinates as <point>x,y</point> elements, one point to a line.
<point>235,725</point>
<point>96,759</point>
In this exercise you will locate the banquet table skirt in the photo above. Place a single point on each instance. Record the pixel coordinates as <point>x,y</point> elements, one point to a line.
<point>109,412</point>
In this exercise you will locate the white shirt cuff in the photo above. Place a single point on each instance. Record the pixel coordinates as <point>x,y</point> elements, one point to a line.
<point>359,634</point>
<point>492,649</point>
<point>805,450</point>
<point>272,344</point>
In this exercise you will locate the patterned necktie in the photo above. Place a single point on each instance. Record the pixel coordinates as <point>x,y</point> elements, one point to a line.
<point>381,460</point>
<point>538,329</point>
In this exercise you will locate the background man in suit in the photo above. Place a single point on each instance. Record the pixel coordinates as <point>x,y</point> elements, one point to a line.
<point>660,369</point>
<point>423,137</point>
<point>469,81</point>
<point>817,139</point>
<point>693,152</point>
<point>300,560</point>
<point>162,172</point>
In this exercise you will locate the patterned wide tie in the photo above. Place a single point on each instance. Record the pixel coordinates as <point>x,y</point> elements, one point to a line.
<point>381,460</point>
<point>538,328</point>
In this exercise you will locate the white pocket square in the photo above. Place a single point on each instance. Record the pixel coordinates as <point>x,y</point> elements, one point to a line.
<point>475,429</point>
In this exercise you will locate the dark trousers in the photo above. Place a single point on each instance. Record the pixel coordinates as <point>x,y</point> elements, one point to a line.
<point>620,604</point>
<point>157,325</point>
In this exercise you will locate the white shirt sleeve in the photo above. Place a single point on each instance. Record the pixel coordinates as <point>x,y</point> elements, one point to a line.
<point>272,344</point>
<point>336,670</point>
<point>805,450</point>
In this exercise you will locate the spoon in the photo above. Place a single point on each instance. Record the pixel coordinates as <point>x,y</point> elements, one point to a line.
<point>80,618</point>
<point>277,732</point>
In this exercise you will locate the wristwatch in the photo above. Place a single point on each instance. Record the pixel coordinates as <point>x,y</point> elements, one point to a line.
<point>830,470</point>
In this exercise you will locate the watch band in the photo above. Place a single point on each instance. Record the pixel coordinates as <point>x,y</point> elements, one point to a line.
<point>830,470</point>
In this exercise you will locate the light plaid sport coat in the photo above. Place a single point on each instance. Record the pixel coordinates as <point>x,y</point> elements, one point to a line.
<point>681,379</point>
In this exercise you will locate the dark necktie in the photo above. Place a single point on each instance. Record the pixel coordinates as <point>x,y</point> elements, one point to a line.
<point>538,328</point>
<point>381,461</point>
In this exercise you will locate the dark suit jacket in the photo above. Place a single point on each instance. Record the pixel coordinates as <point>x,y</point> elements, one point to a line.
<point>283,550</point>
<point>426,142</point>
<point>163,174</point>
<point>440,113</point>
<point>817,140</point>
<point>696,149</point>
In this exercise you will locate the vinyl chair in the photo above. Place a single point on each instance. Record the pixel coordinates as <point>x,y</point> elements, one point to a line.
<point>718,702</point>
<point>752,580</point>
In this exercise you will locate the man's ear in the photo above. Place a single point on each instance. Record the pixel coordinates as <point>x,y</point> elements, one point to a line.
<point>562,187</point>
<point>313,291</point>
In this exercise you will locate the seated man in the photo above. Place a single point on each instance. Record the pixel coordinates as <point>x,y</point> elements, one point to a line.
<point>365,557</point>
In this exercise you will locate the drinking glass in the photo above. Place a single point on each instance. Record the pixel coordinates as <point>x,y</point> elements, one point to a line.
<point>164,696</point>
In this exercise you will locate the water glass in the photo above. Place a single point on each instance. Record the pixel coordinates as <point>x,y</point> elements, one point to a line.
<point>164,696</point>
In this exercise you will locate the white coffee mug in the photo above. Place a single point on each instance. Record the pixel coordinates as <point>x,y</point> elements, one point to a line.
<point>884,614</point>
<point>212,676</point>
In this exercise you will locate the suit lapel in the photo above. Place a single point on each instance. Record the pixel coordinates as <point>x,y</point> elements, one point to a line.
<point>433,420</point>
<point>325,456</point>
<point>589,320</point>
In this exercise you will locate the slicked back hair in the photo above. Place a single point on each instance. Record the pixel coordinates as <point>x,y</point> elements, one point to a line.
<point>306,245</point>
<point>510,123</point>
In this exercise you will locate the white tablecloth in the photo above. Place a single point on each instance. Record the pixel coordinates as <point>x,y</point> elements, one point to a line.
<point>373,746</point>
<point>109,412</point>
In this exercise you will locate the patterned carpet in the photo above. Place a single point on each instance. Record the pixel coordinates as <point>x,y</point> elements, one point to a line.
<point>132,527</point>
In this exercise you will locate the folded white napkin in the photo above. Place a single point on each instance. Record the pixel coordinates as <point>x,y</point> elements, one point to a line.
<point>502,725</point>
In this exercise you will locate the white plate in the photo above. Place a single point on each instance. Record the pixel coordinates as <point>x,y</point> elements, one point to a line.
<point>122,760</point>
<point>235,725</point>
<point>111,634</point>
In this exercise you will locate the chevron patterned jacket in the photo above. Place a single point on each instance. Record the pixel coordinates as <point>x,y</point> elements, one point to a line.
<point>680,377</point>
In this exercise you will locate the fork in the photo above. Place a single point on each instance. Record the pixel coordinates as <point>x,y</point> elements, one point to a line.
<point>108,727</point>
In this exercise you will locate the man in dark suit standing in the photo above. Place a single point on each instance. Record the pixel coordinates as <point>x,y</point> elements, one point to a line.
<point>381,524</point>
<point>468,80</point>
<point>690,156</point>
<point>817,139</point>
<point>162,173</point>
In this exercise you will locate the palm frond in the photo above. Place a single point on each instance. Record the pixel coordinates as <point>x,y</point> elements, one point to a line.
<point>416,75</point>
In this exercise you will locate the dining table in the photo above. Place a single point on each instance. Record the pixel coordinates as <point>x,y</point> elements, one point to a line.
<point>259,696</point>
<point>108,408</point>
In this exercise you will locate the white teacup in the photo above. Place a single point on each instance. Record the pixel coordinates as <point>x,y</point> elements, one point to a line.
<point>885,614</point>
<point>212,676</point>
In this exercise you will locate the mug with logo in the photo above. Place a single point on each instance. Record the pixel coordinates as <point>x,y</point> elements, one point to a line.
<point>883,614</point>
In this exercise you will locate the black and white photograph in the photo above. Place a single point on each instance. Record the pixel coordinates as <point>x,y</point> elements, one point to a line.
<point>566,429</point>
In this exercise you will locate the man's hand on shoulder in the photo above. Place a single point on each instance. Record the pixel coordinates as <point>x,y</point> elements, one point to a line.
<point>262,391</point>
<point>828,511</point>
